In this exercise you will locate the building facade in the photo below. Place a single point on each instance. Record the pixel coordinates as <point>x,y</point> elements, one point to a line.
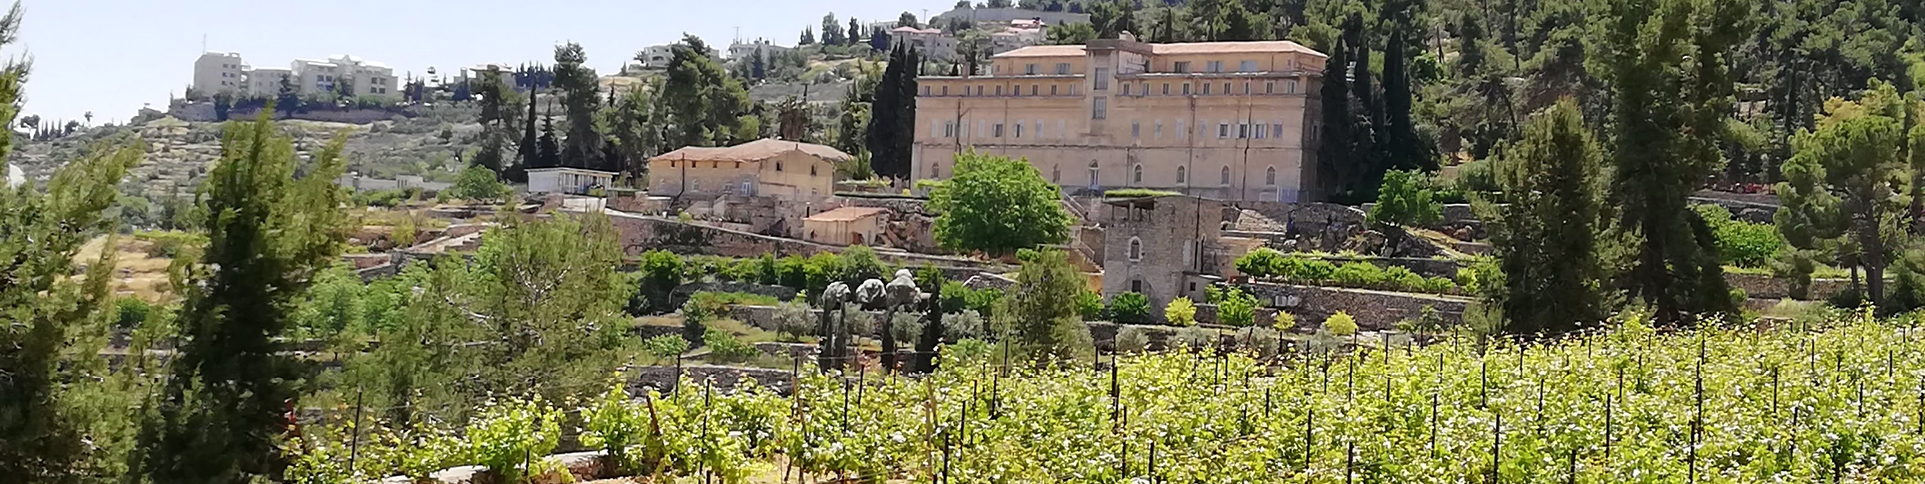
<point>740,51</point>
<point>560,179</point>
<point>1222,120</point>
<point>780,169</point>
<point>216,72</point>
<point>1161,247</point>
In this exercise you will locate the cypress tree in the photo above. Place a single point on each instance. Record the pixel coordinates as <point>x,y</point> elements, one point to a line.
<point>582,146</point>
<point>529,151</point>
<point>889,135</point>
<point>221,416</point>
<point>1333,151</point>
<point>547,148</point>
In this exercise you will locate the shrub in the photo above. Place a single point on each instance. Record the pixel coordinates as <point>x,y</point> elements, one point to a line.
<point>1130,307</point>
<point>794,319</point>
<point>1405,200</point>
<point>1236,308</point>
<point>131,312</point>
<point>1400,278</point>
<point>666,346</point>
<point>1132,340</point>
<point>1340,324</point>
<point>1180,312</point>
<point>1089,305</point>
<point>967,324</point>
<point>1263,262</point>
<point>1285,320</point>
<point>1741,243</point>
<point>478,183</point>
<point>1358,274</point>
<point>725,348</point>
<point>508,432</point>
<point>957,297</point>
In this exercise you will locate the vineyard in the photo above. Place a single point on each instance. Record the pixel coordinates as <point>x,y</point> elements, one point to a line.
<point>1842,403</point>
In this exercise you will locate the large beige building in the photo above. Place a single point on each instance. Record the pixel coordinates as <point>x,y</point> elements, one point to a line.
<point>1222,120</point>
<point>787,170</point>
<point>216,72</point>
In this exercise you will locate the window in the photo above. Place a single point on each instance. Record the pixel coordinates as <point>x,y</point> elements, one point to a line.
<point>1136,286</point>
<point>1247,66</point>
<point>1243,130</point>
<point>1100,108</point>
<point>1182,175</point>
<point>979,90</point>
<point>1224,176</point>
<point>1039,129</point>
<point>1289,87</point>
<point>996,130</point>
<point>1093,172</point>
<point>1136,174</point>
<point>1182,67</point>
<point>1206,89</point>
<point>1030,69</point>
<point>1136,254</point>
<point>1270,87</point>
<point>778,165</point>
<point>1136,129</point>
<point>1276,130</point>
<point>1259,130</point>
<point>1215,66</point>
<point>811,170</point>
<point>1226,88</point>
<point>945,90</point>
<point>1019,129</point>
<point>1246,88</point>
<point>935,170</point>
<point>1166,89</point>
<point>1159,128</point>
<point>1186,89</point>
<point>1032,89</point>
<point>1179,129</point>
<point>1222,130</point>
<point>1052,90</point>
<point>999,90</point>
<point>948,129</point>
<point>1270,176</point>
<point>1102,78</point>
<point>1062,68</point>
<point>1126,89</point>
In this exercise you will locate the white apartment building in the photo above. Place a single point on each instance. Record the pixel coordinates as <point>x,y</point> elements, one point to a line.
<point>742,51</point>
<point>219,71</point>
<point>216,72</point>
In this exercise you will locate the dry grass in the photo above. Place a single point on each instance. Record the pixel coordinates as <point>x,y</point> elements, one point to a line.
<point>135,273</point>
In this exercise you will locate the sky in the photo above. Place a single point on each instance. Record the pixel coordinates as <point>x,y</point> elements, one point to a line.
<point>111,57</point>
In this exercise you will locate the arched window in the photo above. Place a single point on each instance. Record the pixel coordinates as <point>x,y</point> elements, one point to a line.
<point>1056,173</point>
<point>1224,176</point>
<point>811,170</point>
<point>1093,174</point>
<point>1182,175</point>
<point>1270,176</point>
<point>778,166</point>
<point>935,170</point>
<point>1136,249</point>
<point>1136,174</point>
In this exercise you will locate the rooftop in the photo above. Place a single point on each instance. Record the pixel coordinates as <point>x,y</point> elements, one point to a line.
<point>847,214</point>
<point>757,150</point>
<point>1044,51</point>
<point>1275,46</point>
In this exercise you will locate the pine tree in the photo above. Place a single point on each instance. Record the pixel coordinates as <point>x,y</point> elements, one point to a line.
<point>547,148</point>
<point>855,32</point>
<point>221,416</point>
<point>1545,235</point>
<point>580,99</point>
<point>1665,96</point>
<point>495,101</point>
<point>808,37</point>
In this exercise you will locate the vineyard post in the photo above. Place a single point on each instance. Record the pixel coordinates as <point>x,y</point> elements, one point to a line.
<point>862,374</point>
<point>1484,381</point>
<point>1309,419</point>
<point>354,444</point>
<point>1115,396</point>
<point>1350,381</point>
<point>1774,392</point>
<point>707,407</point>
<point>1433,425</point>
<point>1572,476</point>
<point>1153,461</point>
<point>1921,406</point>
<point>1697,420</point>
<point>677,389</point>
<point>1349,461</point>
<point>1497,445</point>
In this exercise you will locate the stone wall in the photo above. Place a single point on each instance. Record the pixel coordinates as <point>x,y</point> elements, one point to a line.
<point>644,233</point>
<point>1373,310</point>
<point>681,293</point>
<point>721,378</point>
<point>1761,286</point>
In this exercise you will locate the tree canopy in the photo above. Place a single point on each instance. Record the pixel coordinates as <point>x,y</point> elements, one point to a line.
<point>997,205</point>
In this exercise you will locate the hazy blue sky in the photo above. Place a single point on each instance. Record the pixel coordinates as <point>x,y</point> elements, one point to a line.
<point>112,56</point>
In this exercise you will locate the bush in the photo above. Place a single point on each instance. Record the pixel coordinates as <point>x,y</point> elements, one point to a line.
<point>614,425</point>
<point>1130,307</point>
<point>1741,243</point>
<point>1263,262</point>
<point>508,432</point>
<point>1285,320</point>
<point>1089,305</point>
<point>666,347</point>
<point>957,297</point>
<point>131,312</point>
<point>725,348</point>
<point>1180,312</point>
<point>967,324</point>
<point>478,183</point>
<point>1235,308</point>
<point>1406,201</point>
<point>1340,324</point>
<point>794,319</point>
<point>1132,340</point>
<point>1358,274</point>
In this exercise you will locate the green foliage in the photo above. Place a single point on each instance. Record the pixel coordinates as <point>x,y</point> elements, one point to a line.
<point>548,290</point>
<point>1041,308</point>
<point>615,424</point>
<point>1842,184</point>
<point>661,272</point>
<point>997,205</point>
<point>1741,243</point>
<point>704,106</point>
<point>1405,201</point>
<point>1089,306</point>
<point>131,312</point>
<point>1235,307</point>
<point>1130,307</point>
<point>957,298</point>
<point>1269,263</point>
<point>1340,324</point>
<point>510,435</point>
<point>478,183</point>
<point>1133,339</point>
<point>1137,193</point>
<point>1546,236</point>
<point>665,347</point>
<point>1180,312</point>
<point>220,415</point>
<point>725,348</point>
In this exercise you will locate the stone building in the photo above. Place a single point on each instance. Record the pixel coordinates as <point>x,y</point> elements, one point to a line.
<point>788,170</point>
<point>1163,247</point>
<point>1223,120</point>
<point>846,226</point>
<point>216,72</point>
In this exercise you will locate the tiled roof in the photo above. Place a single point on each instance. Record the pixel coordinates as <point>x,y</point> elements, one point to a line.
<point>1044,51</point>
<point>846,214</point>
<point>1232,48</point>
<point>757,150</point>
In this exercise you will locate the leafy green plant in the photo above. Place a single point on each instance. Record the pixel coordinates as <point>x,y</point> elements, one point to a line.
<point>726,348</point>
<point>1405,201</point>
<point>1180,312</point>
<point>1089,305</point>
<point>1741,243</point>
<point>1130,307</point>
<point>616,425</point>
<point>512,435</point>
<point>1236,308</point>
<point>1133,340</point>
<point>1340,324</point>
<point>665,347</point>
